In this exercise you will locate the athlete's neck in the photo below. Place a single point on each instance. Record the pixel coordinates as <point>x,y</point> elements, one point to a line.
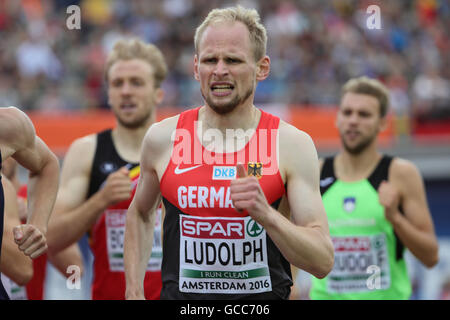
<point>242,117</point>
<point>353,167</point>
<point>242,125</point>
<point>128,141</point>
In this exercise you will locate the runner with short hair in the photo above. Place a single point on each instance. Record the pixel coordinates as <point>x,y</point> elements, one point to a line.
<point>376,205</point>
<point>238,212</point>
<point>100,171</point>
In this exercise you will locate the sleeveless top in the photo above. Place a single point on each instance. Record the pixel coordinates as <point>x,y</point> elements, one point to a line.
<point>368,257</point>
<point>217,252</point>
<point>107,235</point>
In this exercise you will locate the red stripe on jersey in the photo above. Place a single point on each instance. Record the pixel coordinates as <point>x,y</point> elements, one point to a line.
<point>107,284</point>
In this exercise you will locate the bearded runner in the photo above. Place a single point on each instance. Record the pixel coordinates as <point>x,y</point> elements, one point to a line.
<point>217,250</point>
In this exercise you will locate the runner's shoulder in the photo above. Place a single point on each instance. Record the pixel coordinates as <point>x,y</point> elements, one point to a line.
<point>404,170</point>
<point>16,126</point>
<point>14,115</point>
<point>84,144</point>
<point>292,134</point>
<point>293,140</point>
<point>160,134</point>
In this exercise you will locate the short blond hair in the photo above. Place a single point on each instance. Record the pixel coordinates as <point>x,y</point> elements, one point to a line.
<point>371,87</point>
<point>136,49</point>
<point>249,17</point>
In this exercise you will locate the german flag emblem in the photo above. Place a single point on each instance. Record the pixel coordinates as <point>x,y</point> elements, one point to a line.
<point>255,169</point>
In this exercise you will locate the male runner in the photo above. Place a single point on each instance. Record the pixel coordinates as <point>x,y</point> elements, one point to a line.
<point>228,235</point>
<point>70,256</point>
<point>376,205</point>
<point>101,170</point>
<point>18,139</point>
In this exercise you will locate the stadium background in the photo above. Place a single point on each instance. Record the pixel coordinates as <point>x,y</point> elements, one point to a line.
<point>55,75</point>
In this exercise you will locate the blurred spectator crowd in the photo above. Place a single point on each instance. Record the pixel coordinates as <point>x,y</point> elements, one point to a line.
<point>314,46</point>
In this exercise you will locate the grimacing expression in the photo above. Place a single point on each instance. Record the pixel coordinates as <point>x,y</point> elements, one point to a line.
<point>225,66</point>
<point>131,92</point>
<point>359,121</point>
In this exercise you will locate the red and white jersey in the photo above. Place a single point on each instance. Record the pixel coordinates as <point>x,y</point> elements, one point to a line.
<point>216,251</point>
<point>107,237</point>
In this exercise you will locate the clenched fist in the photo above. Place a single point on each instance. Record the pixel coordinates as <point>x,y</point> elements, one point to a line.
<point>30,239</point>
<point>117,187</point>
<point>246,194</point>
<point>389,198</point>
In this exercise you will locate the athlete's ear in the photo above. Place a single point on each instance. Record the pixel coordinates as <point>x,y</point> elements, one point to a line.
<point>383,123</point>
<point>263,68</point>
<point>196,68</point>
<point>159,95</point>
<point>336,118</point>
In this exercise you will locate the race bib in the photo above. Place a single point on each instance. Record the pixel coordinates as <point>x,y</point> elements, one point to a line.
<point>354,260</point>
<point>115,233</point>
<point>223,256</point>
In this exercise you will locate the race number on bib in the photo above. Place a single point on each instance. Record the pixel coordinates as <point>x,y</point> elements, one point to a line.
<point>353,257</point>
<point>115,233</point>
<point>223,256</point>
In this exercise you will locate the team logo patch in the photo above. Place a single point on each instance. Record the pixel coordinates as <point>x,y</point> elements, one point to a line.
<point>255,169</point>
<point>224,173</point>
<point>108,167</point>
<point>349,204</point>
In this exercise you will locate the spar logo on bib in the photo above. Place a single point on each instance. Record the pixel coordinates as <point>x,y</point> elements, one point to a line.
<point>213,228</point>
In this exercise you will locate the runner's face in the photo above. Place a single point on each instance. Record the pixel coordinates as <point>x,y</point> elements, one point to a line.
<point>131,92</point>
<point>225,66</point>
<point>358,121</point>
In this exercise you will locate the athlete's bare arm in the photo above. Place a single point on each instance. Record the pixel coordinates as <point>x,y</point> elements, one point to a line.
<point>303,238</point>
<point>13,263</point>
<point>74,215</point>
<point>70,256</point>
<point>415,228</point>
<point>140,223</point>
<point>18,139</point>
<point>306,241</point>
<point>68,224</point>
